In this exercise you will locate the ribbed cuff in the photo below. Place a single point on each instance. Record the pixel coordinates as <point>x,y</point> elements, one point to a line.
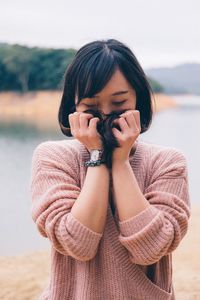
<point>138,222</point>
<point>78,228</point>
<point>82,242</point>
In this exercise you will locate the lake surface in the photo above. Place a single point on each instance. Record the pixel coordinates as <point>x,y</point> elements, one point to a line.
<point>177,127</point>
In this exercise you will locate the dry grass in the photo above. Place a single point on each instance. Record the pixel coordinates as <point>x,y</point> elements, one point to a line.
<point>41,108</point>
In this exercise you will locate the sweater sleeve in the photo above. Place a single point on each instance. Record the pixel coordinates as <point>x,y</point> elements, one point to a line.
<point>158,230</point>
<point>54,188</point>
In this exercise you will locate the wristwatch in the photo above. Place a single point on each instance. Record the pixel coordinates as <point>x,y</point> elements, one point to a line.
<point>95,158</point>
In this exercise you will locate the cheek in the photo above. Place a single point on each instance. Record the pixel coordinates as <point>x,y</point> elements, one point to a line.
<point>79,108</point>
<point>133,103</point>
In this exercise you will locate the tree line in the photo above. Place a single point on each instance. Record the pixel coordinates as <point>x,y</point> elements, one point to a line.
<point>26,69</point>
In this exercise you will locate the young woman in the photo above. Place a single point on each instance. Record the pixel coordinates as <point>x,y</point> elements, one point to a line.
<point>112,227</point>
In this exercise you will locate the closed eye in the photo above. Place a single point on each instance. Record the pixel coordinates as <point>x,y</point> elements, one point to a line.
<point>119,103</point>
<point>114,103</point>
<point>89,105</point>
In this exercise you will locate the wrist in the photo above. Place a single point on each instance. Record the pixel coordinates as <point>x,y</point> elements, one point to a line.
<point>118,163</point>
<point>96,158</point>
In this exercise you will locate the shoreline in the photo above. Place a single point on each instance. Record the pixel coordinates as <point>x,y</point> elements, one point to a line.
<point>40,108</point>
<point>33,268</point>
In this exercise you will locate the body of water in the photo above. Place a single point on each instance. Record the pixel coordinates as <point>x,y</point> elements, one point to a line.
<point>177,127</point>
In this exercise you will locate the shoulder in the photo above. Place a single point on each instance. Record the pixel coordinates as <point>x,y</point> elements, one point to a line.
<point>156,151</point>
<point>164,158</point>
<point>60,151</point>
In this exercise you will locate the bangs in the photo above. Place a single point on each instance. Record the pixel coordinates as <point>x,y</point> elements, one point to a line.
<point>94,74</point>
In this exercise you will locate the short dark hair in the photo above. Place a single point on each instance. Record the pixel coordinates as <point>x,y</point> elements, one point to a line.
<point>90,70</point>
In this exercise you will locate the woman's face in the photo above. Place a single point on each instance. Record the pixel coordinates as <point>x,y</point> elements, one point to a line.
<point>118,94</point>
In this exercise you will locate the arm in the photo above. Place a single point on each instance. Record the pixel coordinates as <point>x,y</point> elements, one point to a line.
<point>154,230</point>
<point>126,184</point>
<point>55,190</point>
<point>91,206</point>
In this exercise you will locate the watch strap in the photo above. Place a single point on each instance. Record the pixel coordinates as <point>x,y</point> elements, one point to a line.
<point>93,162</point>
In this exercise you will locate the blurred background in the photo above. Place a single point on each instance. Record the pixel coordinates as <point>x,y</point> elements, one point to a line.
<point>38,39</point>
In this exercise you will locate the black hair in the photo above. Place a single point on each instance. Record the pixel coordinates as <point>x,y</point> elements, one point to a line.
<point>91,69</point>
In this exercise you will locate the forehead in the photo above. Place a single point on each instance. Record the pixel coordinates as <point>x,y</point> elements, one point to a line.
<point>117,86</point>
<point>116,83</point>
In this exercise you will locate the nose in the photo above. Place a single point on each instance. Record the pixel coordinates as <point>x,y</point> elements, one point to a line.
<point>104,115</point>
<point>104,109</point>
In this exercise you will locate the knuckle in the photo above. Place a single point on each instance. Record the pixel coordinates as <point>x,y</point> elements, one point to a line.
<point>86,115</point>
<point>76,114</point>
<point>89,114</point>
<point>71,115</point>
<point>83,115</point>
<point>130,112</point>
<point>93,119</point>
<point>92,123</point>
<point>138,130</point>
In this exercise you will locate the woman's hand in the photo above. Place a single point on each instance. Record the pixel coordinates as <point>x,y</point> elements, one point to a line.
<point>84,128</point>
<point>129,123</point>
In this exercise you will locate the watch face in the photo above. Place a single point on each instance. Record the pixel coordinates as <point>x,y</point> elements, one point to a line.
<point>95,155</point>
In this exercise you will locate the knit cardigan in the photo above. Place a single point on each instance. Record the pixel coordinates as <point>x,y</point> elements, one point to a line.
<point>130,259</point>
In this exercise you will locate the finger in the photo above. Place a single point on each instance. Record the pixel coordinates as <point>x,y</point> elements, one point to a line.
<point>131,121</point>
<point>137,118</point>
<point>136,114</point>
<point>126,112</point>
<point>93,126</point>
<point>84,120</point>
<point>123,124</point>
<point>70,119</point>
<point>76,124</point>
<point>117,133</point>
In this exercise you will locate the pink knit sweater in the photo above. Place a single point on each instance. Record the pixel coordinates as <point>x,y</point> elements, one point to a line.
<point>131,259</point>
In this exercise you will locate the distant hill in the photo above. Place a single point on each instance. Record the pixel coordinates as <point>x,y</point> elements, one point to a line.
<point>26,69</point>
<point>184,78</point>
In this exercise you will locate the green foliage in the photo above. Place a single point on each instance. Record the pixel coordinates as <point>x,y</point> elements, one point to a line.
<point>28,69</point>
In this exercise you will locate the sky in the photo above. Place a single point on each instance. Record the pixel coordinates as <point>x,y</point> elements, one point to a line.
<point>160,33</point>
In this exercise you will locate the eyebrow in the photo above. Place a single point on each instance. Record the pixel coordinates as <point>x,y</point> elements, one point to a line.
<point>114,94</point>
